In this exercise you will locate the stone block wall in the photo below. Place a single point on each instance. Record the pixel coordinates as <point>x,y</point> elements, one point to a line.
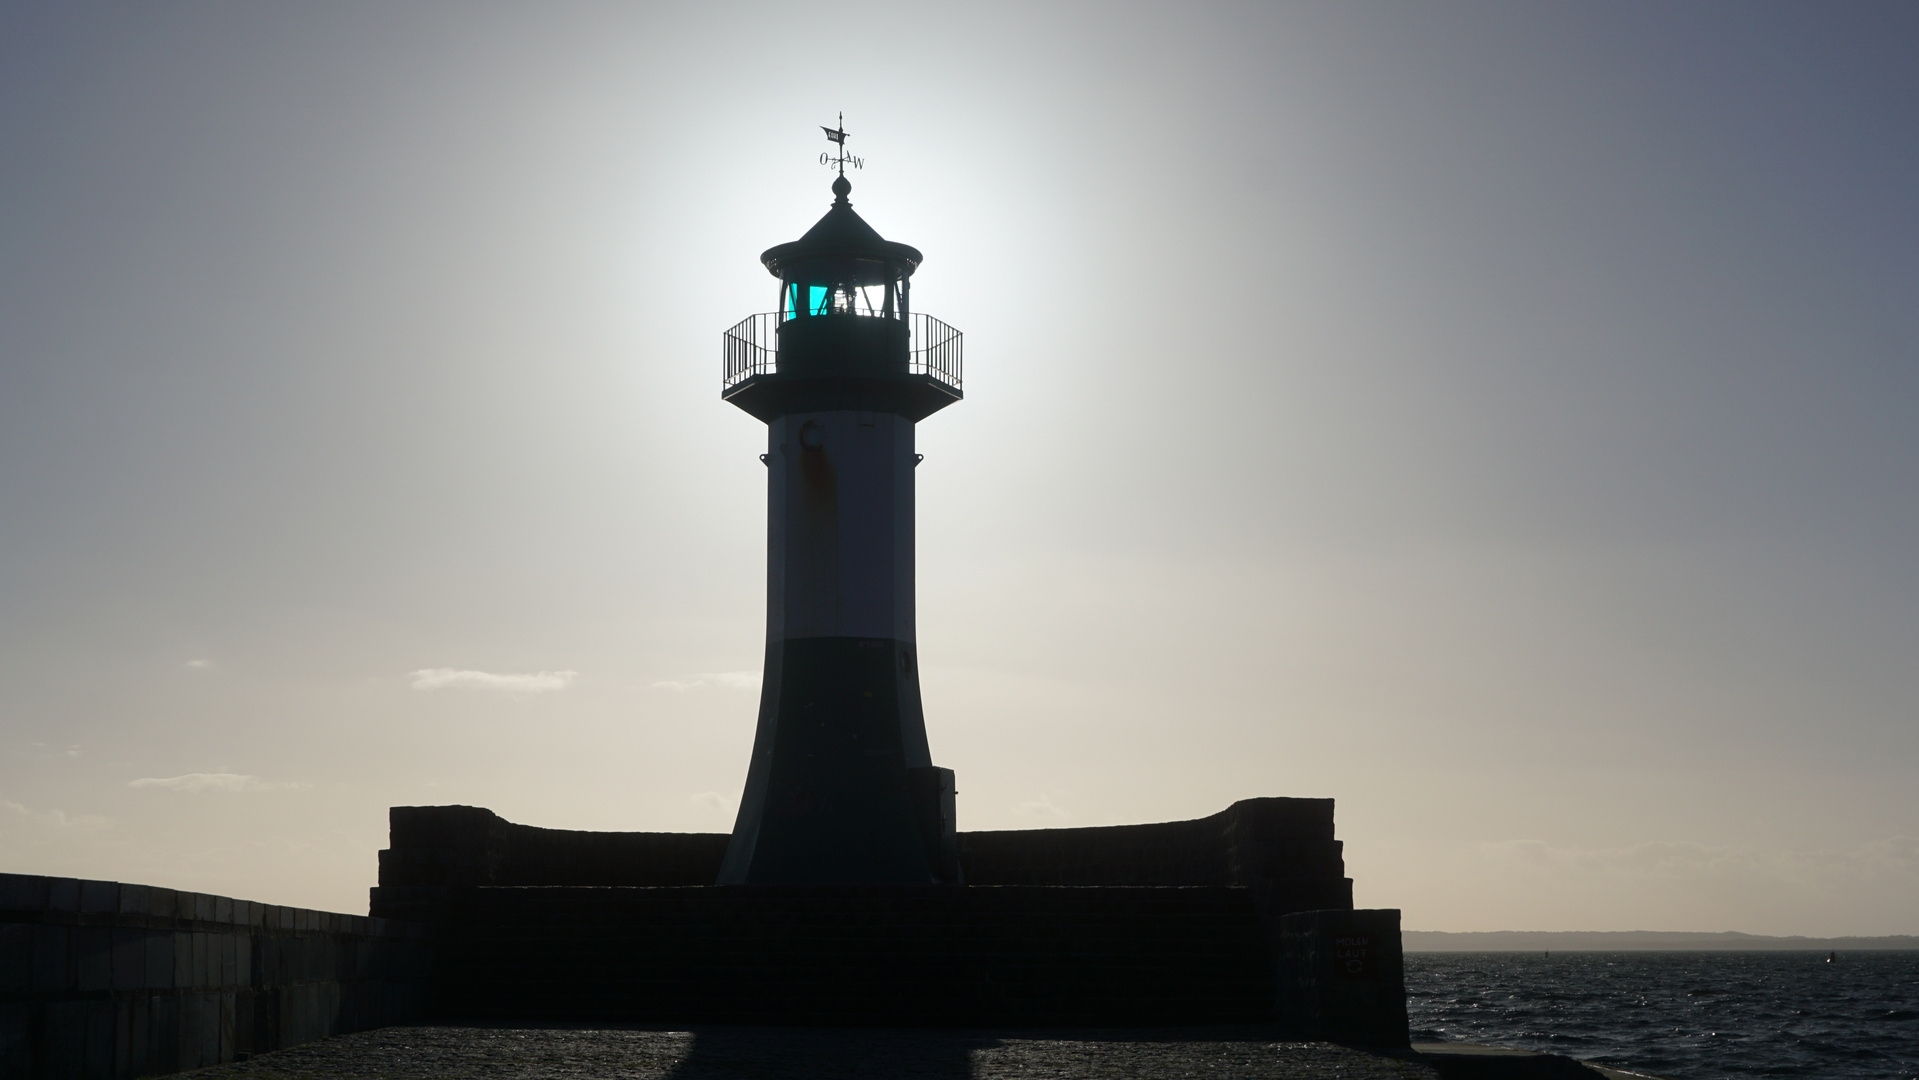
<point>925,955</point>
<point>1283,849</point>
<point>1175,922</point>
<point>100,979</point>
<point>470,845</point>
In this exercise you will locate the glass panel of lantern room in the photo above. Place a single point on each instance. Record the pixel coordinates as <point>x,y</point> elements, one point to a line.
<point>818,300</point>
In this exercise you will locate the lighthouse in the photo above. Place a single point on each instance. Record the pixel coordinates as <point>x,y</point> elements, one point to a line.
<point>841,788</point>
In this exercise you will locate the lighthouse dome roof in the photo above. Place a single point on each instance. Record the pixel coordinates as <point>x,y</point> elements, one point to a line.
<point>839,237</point>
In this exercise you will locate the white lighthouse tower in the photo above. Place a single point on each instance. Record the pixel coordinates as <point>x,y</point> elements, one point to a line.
<point>842,787</point>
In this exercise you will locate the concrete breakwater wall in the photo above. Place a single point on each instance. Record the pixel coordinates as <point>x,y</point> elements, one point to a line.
<point>855,955</point>
<point>1167,923</point>
<point>100,979</point>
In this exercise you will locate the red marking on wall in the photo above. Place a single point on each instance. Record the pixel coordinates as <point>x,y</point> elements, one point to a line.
<point>815,550</point>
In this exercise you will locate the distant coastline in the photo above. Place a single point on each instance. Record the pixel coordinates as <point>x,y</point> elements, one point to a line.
<point>1633,941</point>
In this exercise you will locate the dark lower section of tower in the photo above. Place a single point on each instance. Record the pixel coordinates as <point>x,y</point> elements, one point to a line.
<point>840,789</point>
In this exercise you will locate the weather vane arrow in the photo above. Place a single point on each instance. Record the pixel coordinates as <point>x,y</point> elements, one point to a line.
<point>837,136</point>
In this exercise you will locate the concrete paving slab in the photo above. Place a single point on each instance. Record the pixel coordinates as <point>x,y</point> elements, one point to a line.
<point>773,1053</point>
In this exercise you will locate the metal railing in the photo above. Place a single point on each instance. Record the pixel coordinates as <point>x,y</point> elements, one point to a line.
<point>934,348</point>
<point>752,347</point>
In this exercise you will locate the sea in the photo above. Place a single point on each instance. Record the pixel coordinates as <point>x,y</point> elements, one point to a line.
<point>1681,1015</point>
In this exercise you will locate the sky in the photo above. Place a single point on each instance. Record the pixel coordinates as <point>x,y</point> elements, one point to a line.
<point>1499,418</point>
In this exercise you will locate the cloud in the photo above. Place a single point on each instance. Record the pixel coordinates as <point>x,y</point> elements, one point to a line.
<point>732,680</point>
<point>1042,807</point>
<point>711,799</point>
<point>55,819</point>
<point>538,682</point>
<point>203,781</point>
<point>199,664</point>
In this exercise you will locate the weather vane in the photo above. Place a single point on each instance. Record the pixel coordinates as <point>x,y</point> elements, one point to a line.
<point>842,159</point>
